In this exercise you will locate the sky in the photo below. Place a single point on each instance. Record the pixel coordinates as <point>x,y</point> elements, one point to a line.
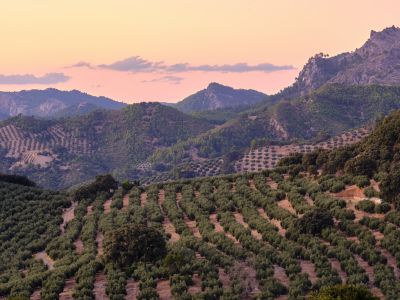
<point>165,50</point>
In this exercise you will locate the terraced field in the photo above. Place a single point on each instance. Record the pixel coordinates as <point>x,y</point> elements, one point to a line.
<point>38,148</point>
<point>269,156</point>
<point>239,236</point>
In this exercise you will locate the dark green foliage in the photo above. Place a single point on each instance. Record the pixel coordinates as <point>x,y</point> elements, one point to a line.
<point>102,183</point>
<point>17,179</point>
<point>314,221</point>
<point>132,243</point>
<point>343,292</point>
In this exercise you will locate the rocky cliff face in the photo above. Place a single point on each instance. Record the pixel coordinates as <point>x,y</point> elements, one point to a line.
<point>376,62</point>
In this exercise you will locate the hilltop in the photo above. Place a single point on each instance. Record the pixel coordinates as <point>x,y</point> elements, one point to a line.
<point>217,96</point>
<point>51,102</point>
<point>375,62</point>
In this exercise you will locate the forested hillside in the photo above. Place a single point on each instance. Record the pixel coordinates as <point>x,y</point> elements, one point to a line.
<point>59,153</point>
<point>324,113</point>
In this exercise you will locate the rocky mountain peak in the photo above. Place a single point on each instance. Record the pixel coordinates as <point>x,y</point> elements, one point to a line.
<point>376,62</point>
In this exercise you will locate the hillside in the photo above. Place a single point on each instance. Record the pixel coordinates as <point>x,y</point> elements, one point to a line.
<point>217,96</point>
<point>326,112</point>
<point>280,233</point>
<point>49,102</point>
<point>63,152</point>
<point>375,62</point>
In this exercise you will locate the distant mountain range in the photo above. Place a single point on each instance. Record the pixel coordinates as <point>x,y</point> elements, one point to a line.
<point>52,102</point>
<point>218,96</point>
<point>330,96</point>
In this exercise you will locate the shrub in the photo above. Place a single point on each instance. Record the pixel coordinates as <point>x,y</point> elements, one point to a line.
<point>314,221</point>
<point>132,243</point>
<point>348,292</point>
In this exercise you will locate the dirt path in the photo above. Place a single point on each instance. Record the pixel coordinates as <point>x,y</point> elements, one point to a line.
<point>280,275</point>
<point>68,290</point>
<point>35,295</point>
<point>195,288</point>
<point>125,202</point>
<point>168,226</point>
<point>107,206</point>
<point>224,278</point>
<point>272,184</point>
<point>99,289</point>
<point>285,204</point>
<point>47,260</point>
<point>132,289</point>
<point>143,199</point>
<point>164,290</point>
<point>309,200</point>
<point>240,220</point>
<point>308,267</point>
<point>192,225</point>
<point>79,248</point>
<point>375,185</point>
<point>336,266</point>
<point>219,228</point>
<point>68,215</point>
<point>99,240</point>
<point>277,223</point>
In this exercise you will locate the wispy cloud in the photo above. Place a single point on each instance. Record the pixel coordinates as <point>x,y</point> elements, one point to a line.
<point>81,64</point>
<point>168,79</point>
<point>21,79</point>
<point>137,64</point>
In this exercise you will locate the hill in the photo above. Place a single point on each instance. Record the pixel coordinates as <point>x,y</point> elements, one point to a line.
<point>64,152</point>
<point>326,112</point>
<point>217,96</point>
<point>283,232</point>
<point>375,62</point>
<point>47,103</point>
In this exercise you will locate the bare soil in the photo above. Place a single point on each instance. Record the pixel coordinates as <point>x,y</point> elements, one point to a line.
<point>132,289</point>
<point>99,240</point>
<point>280,275</point>
<point>99,289</point>
<point>107,206</point>
<point>224,278</point>
<point>68,290</point>
<point>309,268</point>
<point>277,223</point>
<point>143,199</point>
<point>164,290</point>
<point>336,266</point>
<point>240,220</point>
<point>195,288</point>
<point>219,228</point>
<point>35,295</point>
<point>287,205</point>
<point>79,248</point>
<point>167,225</point>
<point>125,202</point>
<point>68,215</point>
<point>47,260</point>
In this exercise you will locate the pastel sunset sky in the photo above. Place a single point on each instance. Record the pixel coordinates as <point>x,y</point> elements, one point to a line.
<point>164,50</point>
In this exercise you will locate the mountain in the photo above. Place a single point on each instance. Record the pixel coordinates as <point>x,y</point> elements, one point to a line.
<point>62,152</point>
<point>325,112</point>
<point>376,62</point>
<point>46,103</point>
<point>76,110</point>
<point>217,96</point>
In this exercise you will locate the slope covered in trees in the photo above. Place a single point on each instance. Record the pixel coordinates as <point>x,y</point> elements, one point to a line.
<point>59,153</point>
